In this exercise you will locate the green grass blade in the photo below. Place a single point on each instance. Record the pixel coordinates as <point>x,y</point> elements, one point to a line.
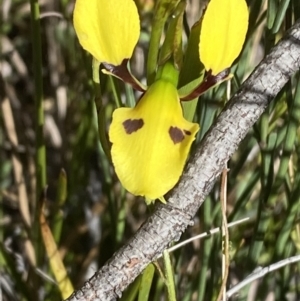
<point>280,15</point>
<point>146,282</point>
<point>169,274</point>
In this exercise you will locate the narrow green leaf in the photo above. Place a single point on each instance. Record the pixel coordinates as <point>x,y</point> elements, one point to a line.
<point>169,274</point>
<point>173,41</point>
<point>263,219</point>
<point>101,121</point>
<point>192,72</point>
<point>61,197</point>
<point>192,68</point>
<point>146,282</point>
<point>271,12</point>
<point>291,133</point>
<point>280,15</point>
<point>132,291</point>
<point>289,221</point>
<point>61,188</point>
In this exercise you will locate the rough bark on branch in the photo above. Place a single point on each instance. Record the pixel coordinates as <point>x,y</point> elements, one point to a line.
<point>168,222</point>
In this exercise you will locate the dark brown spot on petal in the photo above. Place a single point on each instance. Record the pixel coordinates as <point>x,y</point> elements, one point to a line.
<point>187,132</point>
<point>176,134</point>
<point>133,125</point>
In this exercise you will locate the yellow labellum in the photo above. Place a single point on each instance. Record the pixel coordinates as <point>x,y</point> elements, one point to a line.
<point>108,29</point>
<point>223,33</point>
<point>151,142</point>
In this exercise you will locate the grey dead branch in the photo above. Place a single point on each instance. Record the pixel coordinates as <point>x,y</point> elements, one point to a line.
<point>169,221</point>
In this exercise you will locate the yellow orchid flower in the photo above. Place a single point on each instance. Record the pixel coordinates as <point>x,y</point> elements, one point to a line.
<point>150,143</point>
<point>223,33</point>
<point>108,29</point>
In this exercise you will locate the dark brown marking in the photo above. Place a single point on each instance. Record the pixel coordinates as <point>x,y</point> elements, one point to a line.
<point>208,82</point>
<point>187,132</point>
<point>133,125</point>
<point>122,72</point>
<point>176,134</point>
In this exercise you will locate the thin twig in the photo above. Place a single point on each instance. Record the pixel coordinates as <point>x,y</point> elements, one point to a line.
<point>225,236</point>
<point>202,235</point>
<point>259,272</point>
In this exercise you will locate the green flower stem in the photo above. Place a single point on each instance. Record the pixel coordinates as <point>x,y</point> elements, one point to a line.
<point>38,81</point>
<point>169,73</point>
<point>162,12</point>
<point>172,46</point>
<point>40,158</point>
<point>153,49</point>
<point>115,92</point>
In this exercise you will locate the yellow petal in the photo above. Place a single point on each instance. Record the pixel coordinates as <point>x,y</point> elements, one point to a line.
<point>223,33</point>
<point>150,142</point>
<point>108,29</point>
